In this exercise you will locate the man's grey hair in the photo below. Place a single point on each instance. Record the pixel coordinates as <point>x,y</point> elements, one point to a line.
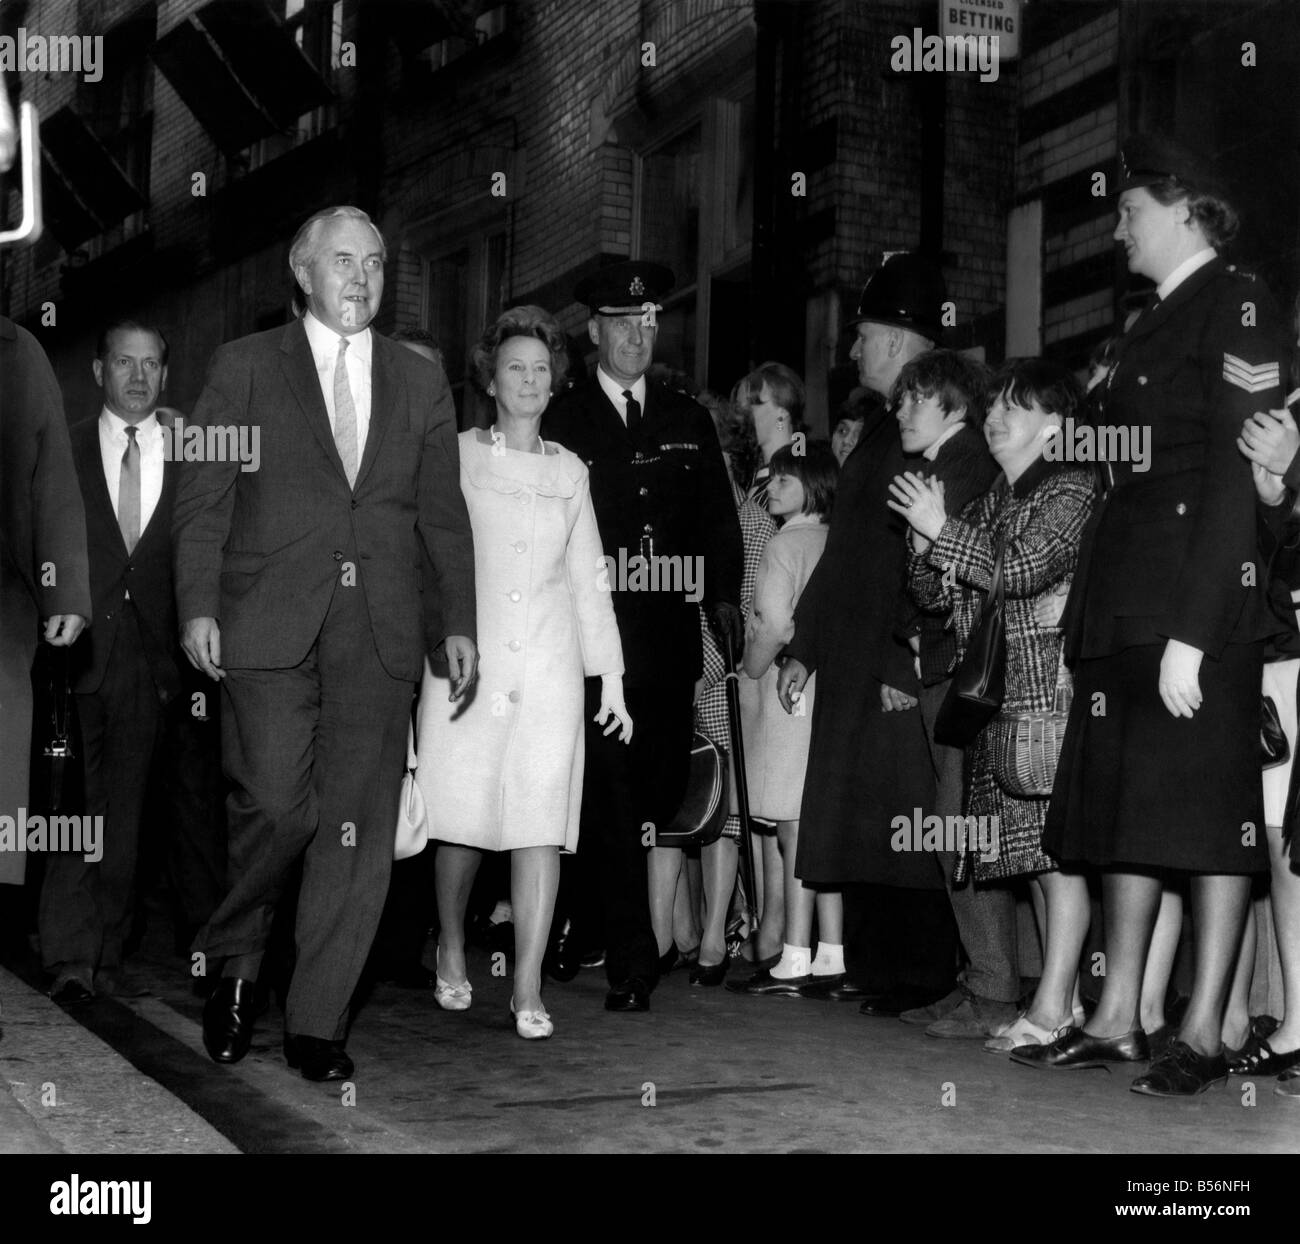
<point>306,241</point>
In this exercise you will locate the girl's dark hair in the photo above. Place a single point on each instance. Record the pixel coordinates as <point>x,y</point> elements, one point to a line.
<point>955,379</point>
<point>1026,381</point>
<point>815,468</point>
<point>1216,216</point>
<point>521,322</point>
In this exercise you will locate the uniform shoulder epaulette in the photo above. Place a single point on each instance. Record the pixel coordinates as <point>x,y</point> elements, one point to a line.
<point>1242,273</point>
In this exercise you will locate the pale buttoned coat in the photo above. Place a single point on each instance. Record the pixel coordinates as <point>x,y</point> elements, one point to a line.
<point>503,768</point>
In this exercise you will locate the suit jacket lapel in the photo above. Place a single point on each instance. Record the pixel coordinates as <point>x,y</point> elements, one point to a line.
<point>90,466</point>
<point>300,372</point>
<point>387,390</point>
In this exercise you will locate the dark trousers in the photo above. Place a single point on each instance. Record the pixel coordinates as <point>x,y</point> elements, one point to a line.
<point>900,939</point>
<point>86,907</point>
<point>627,788</point>
<point>985,914</point>
<point>314,757</point>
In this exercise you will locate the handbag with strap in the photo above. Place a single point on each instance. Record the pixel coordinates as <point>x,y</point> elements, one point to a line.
<point>1026,746</point>
<point>703,813</point>
<point>977,687</point>
<point>412,815</point>
<point>1273,746</point>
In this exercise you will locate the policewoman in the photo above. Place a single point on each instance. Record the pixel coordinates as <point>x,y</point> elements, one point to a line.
<point>661,493</point>
<point>1160,769</point>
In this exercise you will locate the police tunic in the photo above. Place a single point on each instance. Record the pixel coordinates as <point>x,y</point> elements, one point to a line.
<point>1172,553</point>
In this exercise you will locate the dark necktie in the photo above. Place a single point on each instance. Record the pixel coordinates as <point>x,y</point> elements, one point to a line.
<point>633,411</point>
<point>128,491</point>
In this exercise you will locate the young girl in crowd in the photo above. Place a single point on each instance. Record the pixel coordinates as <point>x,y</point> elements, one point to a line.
<point>800,494</point>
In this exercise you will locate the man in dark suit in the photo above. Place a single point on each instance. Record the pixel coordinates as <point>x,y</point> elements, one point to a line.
<point>299,587</point>
<point>126,668</point>
<point>43,570</point>
<point>659,487</point>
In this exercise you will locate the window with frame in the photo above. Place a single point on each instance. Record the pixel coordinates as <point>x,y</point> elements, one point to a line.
<point>118,110</point>
<point>317,28</point>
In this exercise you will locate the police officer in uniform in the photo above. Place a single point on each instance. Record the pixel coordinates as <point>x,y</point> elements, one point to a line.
<point>1167,622</point>
<point>660,490</point>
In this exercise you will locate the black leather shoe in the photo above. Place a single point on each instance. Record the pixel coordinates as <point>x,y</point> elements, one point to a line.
<point>893,1002</point>
<point>1074,1049</point>
<point>1182,1072</point>
<point>70,992</point>
<point>834,989</point>
<point>228,1020</point>
<point>668,960</point>
<point>319,1059</point>
<point>563,960</point>
<point>632,995</point>
<point>765,985</point>
<point>709,974</point>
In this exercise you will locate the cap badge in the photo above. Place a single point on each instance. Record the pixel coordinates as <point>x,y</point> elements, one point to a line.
<point>637,287</point>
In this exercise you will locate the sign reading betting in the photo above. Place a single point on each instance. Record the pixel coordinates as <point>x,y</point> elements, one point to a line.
<point>984,17</point>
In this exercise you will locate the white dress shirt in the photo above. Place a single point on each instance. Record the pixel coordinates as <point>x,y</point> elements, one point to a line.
<point>614,391</point>
<point>112,446</point>
<point>1183,271</point>
<point>324,344</point>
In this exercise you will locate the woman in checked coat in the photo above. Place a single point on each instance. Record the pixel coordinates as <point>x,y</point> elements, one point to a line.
<point>1039,508</point>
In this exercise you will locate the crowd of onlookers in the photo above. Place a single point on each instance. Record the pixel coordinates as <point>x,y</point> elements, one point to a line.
<point>993,678</point>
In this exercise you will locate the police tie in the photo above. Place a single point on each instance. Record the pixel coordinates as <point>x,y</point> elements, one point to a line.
<point>633,412</point>
<point>345,416</point>
<point>128,491</point>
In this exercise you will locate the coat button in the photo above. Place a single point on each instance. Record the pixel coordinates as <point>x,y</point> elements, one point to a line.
<point>1142,380</point>
<point>520,546</point>
<point>645,492</point>
<point>338,557</point>
<point>514,697</point>
<point>515,645</point>
<point>516,596</point>
<point>1181,508</point>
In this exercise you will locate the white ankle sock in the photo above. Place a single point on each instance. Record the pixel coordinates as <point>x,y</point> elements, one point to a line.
<point>829,960</point>
<point>795,961</point>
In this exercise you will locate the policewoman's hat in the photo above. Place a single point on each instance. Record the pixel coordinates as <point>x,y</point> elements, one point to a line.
<point>1146,159</point>
<point>906,291</point>
<point>623,288</point>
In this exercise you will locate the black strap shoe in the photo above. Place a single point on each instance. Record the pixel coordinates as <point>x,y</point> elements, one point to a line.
<point>765,985</point>
<point>228,1020</point>
<point>317,1058</point>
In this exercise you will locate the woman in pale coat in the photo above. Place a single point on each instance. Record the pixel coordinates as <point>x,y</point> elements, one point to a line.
<point>801,492</point>
<point>503,771</point>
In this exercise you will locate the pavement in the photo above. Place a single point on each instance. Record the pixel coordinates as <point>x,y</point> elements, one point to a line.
<point>704,1071</point>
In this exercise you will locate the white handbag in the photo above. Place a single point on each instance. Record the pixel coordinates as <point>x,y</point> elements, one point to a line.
<point>412,815</point>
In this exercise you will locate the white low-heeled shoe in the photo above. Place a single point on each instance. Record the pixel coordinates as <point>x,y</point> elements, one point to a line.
<point>532,1025</point>
<point>452,997</point>
<point>1020,1031</point>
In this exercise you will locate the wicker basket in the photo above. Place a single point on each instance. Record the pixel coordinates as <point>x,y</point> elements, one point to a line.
<point>1026,746</point>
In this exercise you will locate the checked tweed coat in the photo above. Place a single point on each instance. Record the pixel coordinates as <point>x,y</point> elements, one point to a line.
<point>1042,516</point>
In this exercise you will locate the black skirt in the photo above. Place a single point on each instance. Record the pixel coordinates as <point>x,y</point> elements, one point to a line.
<point>1137,786</point>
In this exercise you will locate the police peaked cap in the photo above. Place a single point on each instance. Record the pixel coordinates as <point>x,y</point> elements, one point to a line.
<point>1146,159</point>
<point>623,288</point>
<point>906,291</point>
